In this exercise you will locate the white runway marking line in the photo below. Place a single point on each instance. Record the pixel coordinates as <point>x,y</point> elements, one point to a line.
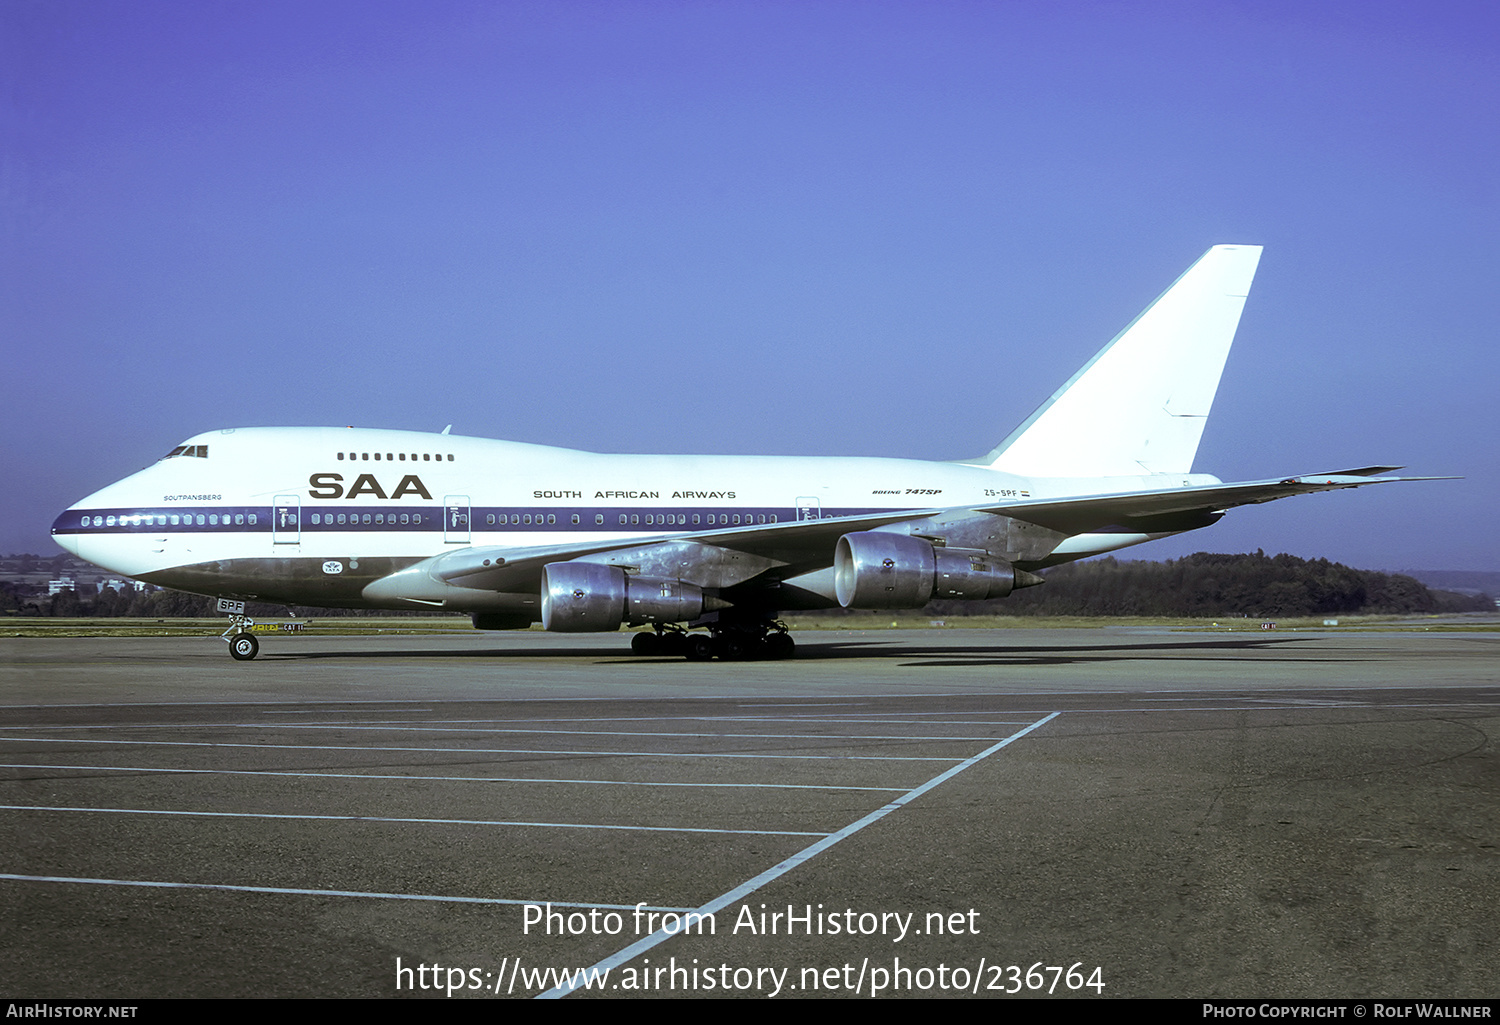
<point>324,711</point>
<point>318,705</point>
<point>442,779</point>
<point>471,750</point>
<point>386,728</point>
<point>300,892</point>
<point>187,813</point>
<point>341,704</point>
<point>849,721</point>
<point>803,704</point>
<point>775,872</point>
<point>1275,705</point>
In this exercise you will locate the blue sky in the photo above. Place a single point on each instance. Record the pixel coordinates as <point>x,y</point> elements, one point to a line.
<point>807,228</point>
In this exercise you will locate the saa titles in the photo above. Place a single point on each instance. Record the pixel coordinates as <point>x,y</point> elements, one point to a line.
<point>331,485</point>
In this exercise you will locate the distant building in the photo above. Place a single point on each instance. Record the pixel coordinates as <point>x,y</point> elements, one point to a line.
<point>61,584</point>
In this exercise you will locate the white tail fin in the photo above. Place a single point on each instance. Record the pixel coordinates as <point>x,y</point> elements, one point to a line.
<point>1140,404</point>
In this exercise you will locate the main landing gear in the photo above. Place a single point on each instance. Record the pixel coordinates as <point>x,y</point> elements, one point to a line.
<point>731,642</point>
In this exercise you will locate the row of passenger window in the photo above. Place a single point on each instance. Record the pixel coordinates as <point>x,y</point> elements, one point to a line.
<point>171,520</point>
<point>341,519</point>
<point>408,519</point>
<point>681,519</point>
<point>392,457</point>
<point>636,519</point>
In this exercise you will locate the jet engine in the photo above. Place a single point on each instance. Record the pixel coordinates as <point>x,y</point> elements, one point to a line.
<point>580,597</point>
<point>877,570</point>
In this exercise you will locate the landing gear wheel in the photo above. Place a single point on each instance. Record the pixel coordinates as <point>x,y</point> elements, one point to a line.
<point>646,644</point>
<point>779,645</point>
<point>733,648</point>
<point>243,647</point>
<point>700,648</point>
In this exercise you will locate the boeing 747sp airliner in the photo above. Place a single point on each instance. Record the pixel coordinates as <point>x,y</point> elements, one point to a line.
<point>515,534</point>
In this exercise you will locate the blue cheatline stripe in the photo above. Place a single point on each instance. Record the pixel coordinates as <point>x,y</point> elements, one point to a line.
<point>467,750</point>
<point>413,821</point>
<point>298,891</point>
<point>430,519</point>
<point>439,779</point>
<point>775,872</point>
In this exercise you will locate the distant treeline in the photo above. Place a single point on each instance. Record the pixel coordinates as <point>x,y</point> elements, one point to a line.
<point>1205,585</point>
<point>1210,585</point>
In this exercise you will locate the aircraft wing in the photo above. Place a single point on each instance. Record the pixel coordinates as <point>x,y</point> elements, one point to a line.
<point>806,545</point>
<point>801,543</point>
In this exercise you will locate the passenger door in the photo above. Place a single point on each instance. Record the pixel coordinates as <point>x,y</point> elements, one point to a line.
<point>456,519</point>
<point>286,520</point>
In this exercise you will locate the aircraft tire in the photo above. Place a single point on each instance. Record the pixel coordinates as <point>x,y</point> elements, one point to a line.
<point>699,648</point>
<point>645,644</point>
<point>779,646</point>
<point>243,647</point>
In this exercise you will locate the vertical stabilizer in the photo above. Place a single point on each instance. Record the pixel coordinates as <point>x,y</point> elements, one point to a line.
<point>1139,406</point>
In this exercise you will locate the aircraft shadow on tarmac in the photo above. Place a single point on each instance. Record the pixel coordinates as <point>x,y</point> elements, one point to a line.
<point>931,655</point>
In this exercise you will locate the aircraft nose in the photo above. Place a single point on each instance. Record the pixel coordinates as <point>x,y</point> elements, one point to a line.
<point>65,530</point>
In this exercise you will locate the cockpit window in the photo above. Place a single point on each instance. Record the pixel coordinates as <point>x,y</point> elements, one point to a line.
<point>199,451</point>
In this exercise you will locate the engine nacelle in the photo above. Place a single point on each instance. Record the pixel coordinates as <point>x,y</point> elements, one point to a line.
<point>580,597</point>
<point>877,570</point>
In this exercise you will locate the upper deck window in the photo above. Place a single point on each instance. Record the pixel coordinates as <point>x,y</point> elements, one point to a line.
<point>389,457</point>
<point>200,451</point>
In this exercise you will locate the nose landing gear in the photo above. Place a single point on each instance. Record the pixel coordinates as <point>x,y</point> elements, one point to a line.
<point>242,643</point>
<point>243,647</point>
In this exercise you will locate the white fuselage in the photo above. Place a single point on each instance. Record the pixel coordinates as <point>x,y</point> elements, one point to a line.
<point>310,494</point>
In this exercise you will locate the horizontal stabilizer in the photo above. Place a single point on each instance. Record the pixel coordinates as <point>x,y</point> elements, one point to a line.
<point>1363,471</point>
<point>1077,515</point>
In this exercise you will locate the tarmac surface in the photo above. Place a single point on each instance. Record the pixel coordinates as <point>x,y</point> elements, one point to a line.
<point>1134,812</point>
